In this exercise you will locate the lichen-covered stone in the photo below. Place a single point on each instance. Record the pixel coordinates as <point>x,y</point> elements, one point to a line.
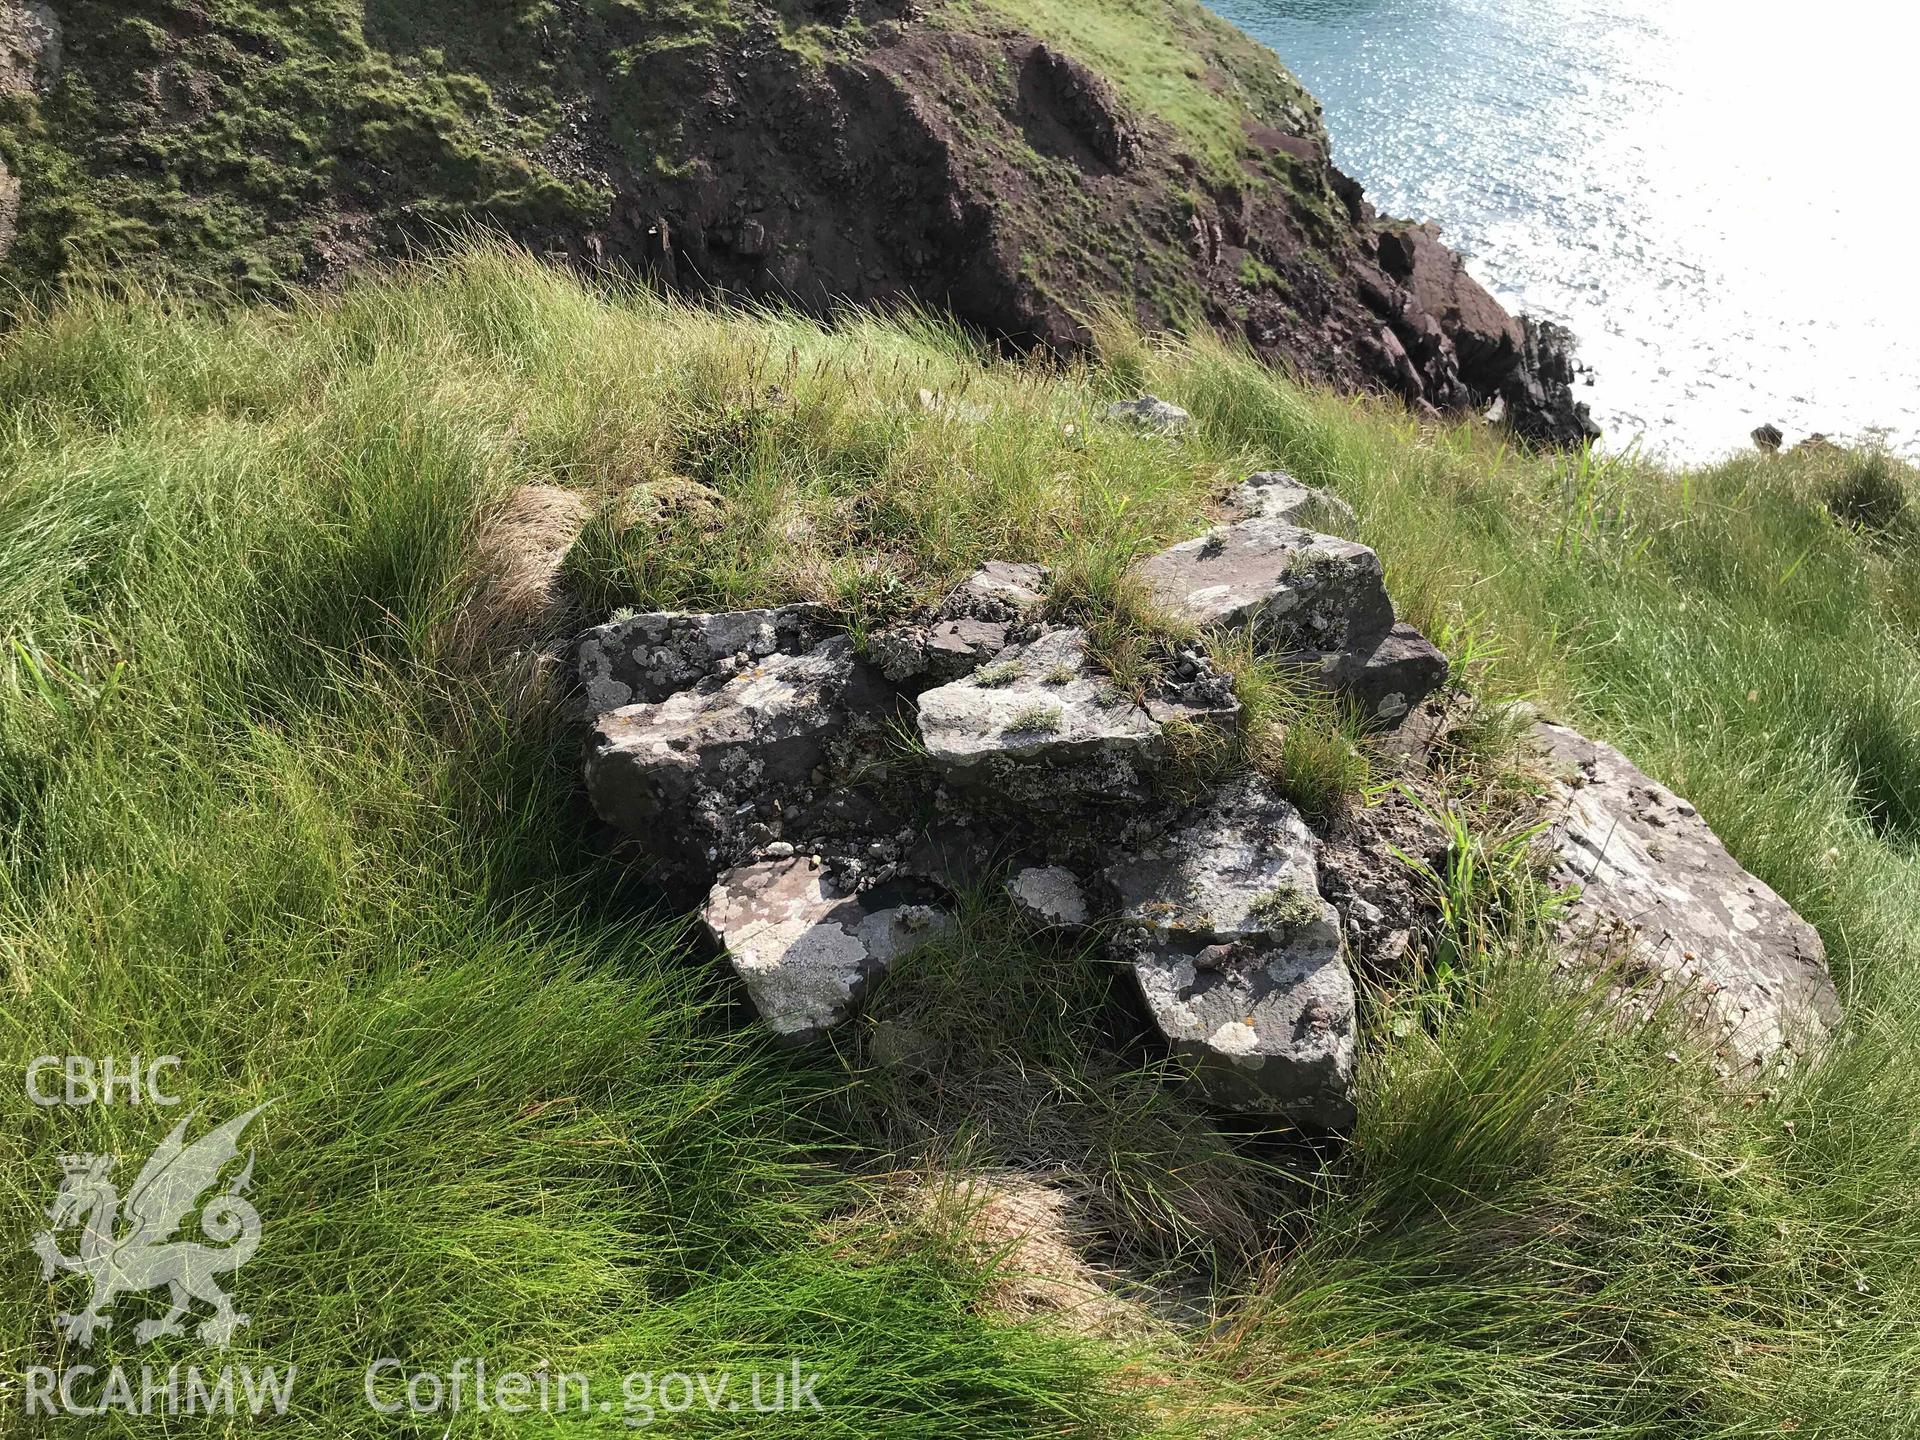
<point>687,777</point>
<point>1271,1030</point>
<point>1657,887</point>
<point>1276,495</point>
<point>943,651</point>
<point>1049,896</point>
<point>1040,726</point>
<point>1192,690</point>
<point>1152,413</point>
<point>999,590</point>
<point>1239,959</point>
<point>1312,600</point>
<point>646,658</point>
<point>1299,590</point>
<point>995,606</point>
<point>807,950</point>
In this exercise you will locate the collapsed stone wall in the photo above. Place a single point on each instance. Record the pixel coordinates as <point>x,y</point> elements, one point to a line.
<point>822,803</point>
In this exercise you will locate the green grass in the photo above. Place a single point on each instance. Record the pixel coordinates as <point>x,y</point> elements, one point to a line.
<point>253,813</point>
<point>256,144</point>
<point>1175,62</point>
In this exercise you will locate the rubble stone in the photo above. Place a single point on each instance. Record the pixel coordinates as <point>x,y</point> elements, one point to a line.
<point>648,658</point>
<point>1239,958</point>
<point>1150,412</point>
<point>687,776</point>
<point>1389,678</point>
<point>806,950</point>
<point>1041,726</point>
<point>1049,896</point>
<point>1312,600</point>
<point>1276,495</point>
<point>1297,589</point>
<point>1655,881</point>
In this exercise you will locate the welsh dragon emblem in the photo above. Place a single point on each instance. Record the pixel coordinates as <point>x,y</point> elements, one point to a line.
<point>131,1249</point>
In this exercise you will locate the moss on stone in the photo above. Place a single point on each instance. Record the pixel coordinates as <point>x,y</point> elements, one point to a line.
<point>1286,907</point>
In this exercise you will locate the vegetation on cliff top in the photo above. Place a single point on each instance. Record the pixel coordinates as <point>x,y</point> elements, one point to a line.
<point>232,143</point>
<point>229,144</point>
<point>252,813</point>
<point>1179,63</point>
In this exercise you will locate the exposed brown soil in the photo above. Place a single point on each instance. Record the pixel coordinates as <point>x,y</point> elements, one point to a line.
<point>1028,1234</point>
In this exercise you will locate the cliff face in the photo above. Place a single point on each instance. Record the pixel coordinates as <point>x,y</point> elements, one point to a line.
<point>1022,162</point>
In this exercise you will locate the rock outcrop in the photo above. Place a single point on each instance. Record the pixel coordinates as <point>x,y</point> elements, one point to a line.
<point>1451,343</point>
<point>1659,891</point>
<point>1485,338</point>
<point>1536,399</point>
<point>30,53</point>
<point>30,47</point>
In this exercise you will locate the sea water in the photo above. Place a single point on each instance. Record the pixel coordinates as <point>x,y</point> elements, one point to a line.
<point>1720,197</point>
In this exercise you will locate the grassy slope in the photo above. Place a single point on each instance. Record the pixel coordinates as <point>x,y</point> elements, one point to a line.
<point>250,144</point>
<point>249,818</point>
<point>1176,61</point>
<point>253,145</point>
<point>1192,83</point>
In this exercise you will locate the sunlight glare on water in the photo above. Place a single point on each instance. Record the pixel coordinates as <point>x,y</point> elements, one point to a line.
<point>1718,196</point>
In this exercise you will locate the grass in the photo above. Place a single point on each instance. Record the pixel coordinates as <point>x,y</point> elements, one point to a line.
<point>233,144</point>
<point>1036,720</point>
<point>1485,893</point>
<point>253,814</point>
<point>1310,747</point>
<point>1175,62</point>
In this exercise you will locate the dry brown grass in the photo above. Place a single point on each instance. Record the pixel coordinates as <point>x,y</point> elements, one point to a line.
<point>1033,1239</point>
<point>517,597</point>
